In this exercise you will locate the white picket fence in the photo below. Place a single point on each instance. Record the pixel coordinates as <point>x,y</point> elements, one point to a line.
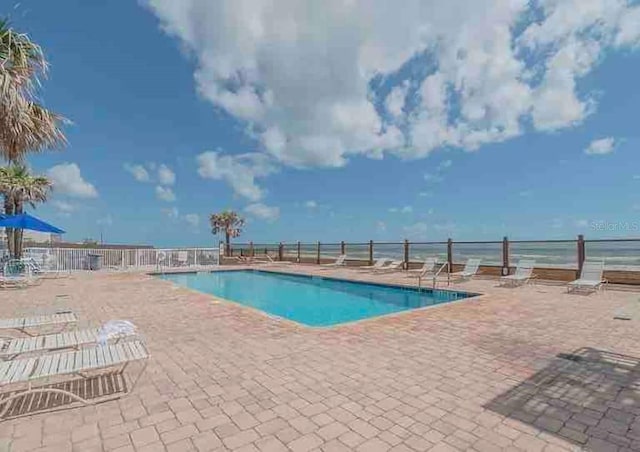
<point>69,259</point>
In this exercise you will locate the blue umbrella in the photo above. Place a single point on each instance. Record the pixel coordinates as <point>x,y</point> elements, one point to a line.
<point>26,221</point>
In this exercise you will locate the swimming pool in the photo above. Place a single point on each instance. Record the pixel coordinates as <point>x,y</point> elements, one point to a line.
<point>311,300</point>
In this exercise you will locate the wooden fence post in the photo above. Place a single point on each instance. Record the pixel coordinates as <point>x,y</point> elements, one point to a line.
<point>505,256</point>
<point>450,254</point>
<point>406,254</point>
<point>370,252</point>
<point>298,251</point>
<point>318,254</point>
<point>251,250</point>
<point>581,254</point>
<point>280,251</point>
<point>343,248</point>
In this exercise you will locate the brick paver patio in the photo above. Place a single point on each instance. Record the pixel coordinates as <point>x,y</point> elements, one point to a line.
<point>516,369</point>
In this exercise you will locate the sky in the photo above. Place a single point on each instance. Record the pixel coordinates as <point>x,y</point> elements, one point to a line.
<point>341,120</point>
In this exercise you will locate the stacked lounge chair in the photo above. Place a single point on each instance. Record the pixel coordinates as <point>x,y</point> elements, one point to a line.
<point>38,375</point>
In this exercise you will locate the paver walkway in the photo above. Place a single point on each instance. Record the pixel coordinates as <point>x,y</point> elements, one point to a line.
<point>517,369</point>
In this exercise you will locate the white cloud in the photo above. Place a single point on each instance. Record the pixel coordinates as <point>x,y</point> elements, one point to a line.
<point>138,172</point>
<point>445,164</point>
<point>396,99</point>
<point>526,193</point>
<point>416,231</point>
<point>582,224</point>
<point>165,193</point>
<point>311,204</point>
<point>381,227</point>
<point>193,219</point>
<point>63,206</point>
<point>239,171</point>
<point>171,212</point>
<point>601,147</point>
<point>263,212</point>
<point>404,209</point>
<point>105,221</point>
<point>494,69</point>
<point>67,180</point>
<point>425,194</point>
<point>166,176</point>
<point>557,223</point>
<point>432,178</point>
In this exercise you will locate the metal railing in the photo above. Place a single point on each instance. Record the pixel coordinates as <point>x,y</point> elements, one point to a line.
<point>559,259</point>
<point>71,259</point>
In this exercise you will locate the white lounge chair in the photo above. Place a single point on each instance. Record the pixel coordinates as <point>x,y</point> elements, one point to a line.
<point>24,324</point>
<point>183,258</point>
<point>69,378</point>
<point>268,260</point>
<point>590,278</point>
<point>10,348</point>
<point>469,271</point>
<point>341,261</point>
<point>380,262</point>
<point>393,266</point>
<point>46,268</point>
<point>16,274</point>
<point>522,275</point>
<point>428,267</point>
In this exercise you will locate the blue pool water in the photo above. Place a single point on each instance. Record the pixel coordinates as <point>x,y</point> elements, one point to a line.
<point>313,301</point>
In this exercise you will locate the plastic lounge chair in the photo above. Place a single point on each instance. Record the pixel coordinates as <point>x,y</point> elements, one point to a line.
<point>44,269</point>
<point>23,324</point>
<point>341,261</point>
<point>380,262</point>
<point>522,275</point>
<point>392,267</point>
<point>182,258</point>
<point>268,260</point>
<point>469,271</point>
<point>69,378</point>
<point>17,273</point>
<point>590,278</point>
<point>427,268</point>
<point>10,348</point>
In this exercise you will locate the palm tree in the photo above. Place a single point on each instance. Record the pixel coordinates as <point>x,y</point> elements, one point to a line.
<point>25,125</point>
<point>18,188</point>
<point>228,222</point>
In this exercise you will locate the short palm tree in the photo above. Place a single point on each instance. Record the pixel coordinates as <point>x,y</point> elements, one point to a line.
<point>18,188</point>
<point>228,222</point>
<point>25,126</point>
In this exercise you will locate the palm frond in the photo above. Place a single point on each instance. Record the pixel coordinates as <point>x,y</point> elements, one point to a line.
<point>25,125</point>
<point>28,127</point>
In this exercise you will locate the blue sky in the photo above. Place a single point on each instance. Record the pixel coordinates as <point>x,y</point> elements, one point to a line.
<point>339,122</point>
